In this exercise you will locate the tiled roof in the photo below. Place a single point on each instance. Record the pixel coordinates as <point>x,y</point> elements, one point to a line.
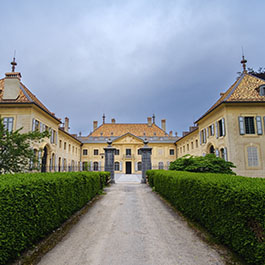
<point>119,129</point>
<point>245,89</point>
<point>25,96</point>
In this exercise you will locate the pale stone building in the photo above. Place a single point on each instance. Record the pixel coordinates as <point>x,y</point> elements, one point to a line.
<point>63,151</point>
<point>233,128</point>
<point>19,108</point>
<point>128,139</point>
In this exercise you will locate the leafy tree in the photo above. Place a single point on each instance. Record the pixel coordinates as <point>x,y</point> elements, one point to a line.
<point>16,154</point>
<point>208,163</point>
<point>260,73</point>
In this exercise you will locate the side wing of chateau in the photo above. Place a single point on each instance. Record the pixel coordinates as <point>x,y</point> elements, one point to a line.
<point>233,128</point>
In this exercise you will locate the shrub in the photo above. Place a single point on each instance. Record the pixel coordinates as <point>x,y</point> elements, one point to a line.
<point>33,205</point>
<point>229,207</point>
<point>208,163</point>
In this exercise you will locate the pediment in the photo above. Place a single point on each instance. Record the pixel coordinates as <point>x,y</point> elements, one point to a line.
<point>128,138</point>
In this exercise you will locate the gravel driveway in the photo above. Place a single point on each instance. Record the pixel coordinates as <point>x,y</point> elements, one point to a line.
<point>131,225</point>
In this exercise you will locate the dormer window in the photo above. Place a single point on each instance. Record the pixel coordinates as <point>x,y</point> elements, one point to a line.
<point>262,90</point>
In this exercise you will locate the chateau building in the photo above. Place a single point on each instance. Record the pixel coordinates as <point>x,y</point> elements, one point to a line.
<point>233,128</point>
<point>128,139</point>
<point>63,151</point>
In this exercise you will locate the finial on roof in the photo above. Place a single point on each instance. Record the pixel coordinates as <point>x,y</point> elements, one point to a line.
<point>104,117</point>
<point>154,117</point>
<point>243,61</point>
<point>13,63</point>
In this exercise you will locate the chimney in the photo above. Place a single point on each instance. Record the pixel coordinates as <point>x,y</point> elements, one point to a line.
<point>149,121</point>
<point>11,86</point>
<point>12,83</point>
<point>170,133</point>
<point>95,125</point>
<point>163,124</point>
<point>66,124</point>
<point>113,121</point>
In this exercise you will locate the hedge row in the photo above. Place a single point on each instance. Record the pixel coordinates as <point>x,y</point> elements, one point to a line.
<point>33,205</point>
<point>232,208</point>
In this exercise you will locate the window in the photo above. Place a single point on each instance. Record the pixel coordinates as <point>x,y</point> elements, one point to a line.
<point>69,148</point>
<point>64,145</point>
<point>160,165</point>
<point>60,143</point>
<point>252,153</point>
<point>52,136</point>
<point>171,152</point>
<point>221,128</point>
<point>262,90</point>
<point>8,123</point>
<point>183,149</point>
<point>117,152</point>
<point>128,152</point>
<point>196,143</point>
<point>191,145</point>
<point>188,147</point>
<point>203,136</point>
<point>117,166</point>
<point>95,152</point>
<point>249,125</point>
<point>95,166</point>
<point>211,130</point>
<point>85,152</point>
<point>139,152</point>
<point>37,125</point>
<point>139,166</point>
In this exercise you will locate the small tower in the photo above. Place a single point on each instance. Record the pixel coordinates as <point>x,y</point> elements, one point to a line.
<point>104,118</point>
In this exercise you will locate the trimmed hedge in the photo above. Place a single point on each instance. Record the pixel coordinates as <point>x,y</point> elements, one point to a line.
<point>232,208</point>
<point>33,205</point>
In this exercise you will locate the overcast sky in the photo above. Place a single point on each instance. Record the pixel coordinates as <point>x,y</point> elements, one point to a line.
<point>130,59</point>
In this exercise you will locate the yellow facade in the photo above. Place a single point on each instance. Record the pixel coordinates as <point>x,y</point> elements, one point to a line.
<point>234,128</point>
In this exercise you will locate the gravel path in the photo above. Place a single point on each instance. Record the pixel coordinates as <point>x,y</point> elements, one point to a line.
<point>131,226</point>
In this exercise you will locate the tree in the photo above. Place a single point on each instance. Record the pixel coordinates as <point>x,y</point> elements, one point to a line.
<point>208,163</point>
<point>260,73</point>
<point>16,154</point>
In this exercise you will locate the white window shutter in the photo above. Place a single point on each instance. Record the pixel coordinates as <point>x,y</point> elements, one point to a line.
<point>56,138</point>
<point>136,168</point>
<point>40,127</point>
<point>216,130</point>
<point>200,137</point>
<point>55,163</point>
<point>259,125</point>
<point>99,166</point>
<point>241,124</point>
<point>120,166</point>
<point>223,126</point>
<point>217,152</point>
<point>33,125</point>
<point>225,154</point>
<point>207,132</point>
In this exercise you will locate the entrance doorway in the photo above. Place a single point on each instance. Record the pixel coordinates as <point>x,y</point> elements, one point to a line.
<point>44,160</point>
<point>128,167</point>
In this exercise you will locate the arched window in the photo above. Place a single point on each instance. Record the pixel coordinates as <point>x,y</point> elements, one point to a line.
<point>253,158</point>
<point>95,166</point>
<point>211,150</point>
<point>160,165</point>
<point>117,166</point>
<point>139,166</point>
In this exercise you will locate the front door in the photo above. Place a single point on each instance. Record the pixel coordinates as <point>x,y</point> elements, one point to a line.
<point>128,167</point>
